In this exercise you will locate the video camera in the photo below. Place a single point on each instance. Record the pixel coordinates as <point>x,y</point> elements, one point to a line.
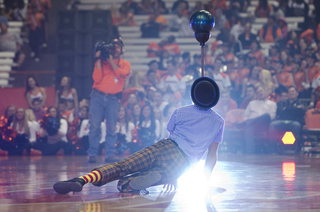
<point>105,49</point>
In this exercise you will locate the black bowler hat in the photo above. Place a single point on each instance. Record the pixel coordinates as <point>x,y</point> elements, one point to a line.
<point>205,92</point>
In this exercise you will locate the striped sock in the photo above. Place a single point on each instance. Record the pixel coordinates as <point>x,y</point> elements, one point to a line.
<point>93,177</point>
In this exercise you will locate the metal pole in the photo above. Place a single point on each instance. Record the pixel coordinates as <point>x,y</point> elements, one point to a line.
<point>202,59</point>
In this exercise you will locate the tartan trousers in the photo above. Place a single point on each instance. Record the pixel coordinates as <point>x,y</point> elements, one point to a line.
<point>164,157</point>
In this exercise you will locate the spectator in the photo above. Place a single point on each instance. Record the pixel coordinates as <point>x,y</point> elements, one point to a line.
<point>239,28</point>
<point>159,103</point>
<point>220,19</point>
<point>247,37</point>
<point>196,66</point>
<point>184,63</point>
<point>219,77</point>
<point>270,32</point>
<point>172,82</point>
<point>134,6</point>
<point>125,18</point>
<point>168,46</point>
<point>132,100</point>
<point>280,77</point>
<point>250,95</point>
<point>26,134</point>
<point>257,117</point>
<point>225,104</point>
<point>33,91</point>
<point>67,92</point>
<point>9,113</point>
<point>181,23</point>
<point>148,128</point>
<point>171,46</point>
<point>161,6</point>
<point>10,41</point>
<point>36,37</point>
<point>136,114</point>
<point>290,117</point>
<point>274,52</point>
<point>176,4</point>
<point>227,55</point>
<point>298,76</point>
<point>231,22</point>
<point>145,7</point>
<point>254,78</point>
<point>65,113</point>
<point>256,53</point>
<point>311,69</point>
<point>56,138</point>
<point>242,71</point>
<point>315,95</point>
<point>151,79</point>
<point>38,111</point>
<point>123,130</point>
<point>292,40</point>
<point>283,26</point>
<point>286,60</point>
<point>263,9</point>
<point>156,17</point>
<point>297,8</point>
<point>276,11</point>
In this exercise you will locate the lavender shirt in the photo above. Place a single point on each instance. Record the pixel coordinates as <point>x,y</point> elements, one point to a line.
<point>194,130</point>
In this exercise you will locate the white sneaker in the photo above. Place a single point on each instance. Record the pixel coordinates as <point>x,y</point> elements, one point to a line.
<point>36,59</point>
<point>32,54</point>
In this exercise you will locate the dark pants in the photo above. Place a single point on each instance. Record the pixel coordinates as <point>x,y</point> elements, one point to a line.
<point>52,149</point>
<point>35,40</point>
<point>21,143</point>
<point>255,129</point>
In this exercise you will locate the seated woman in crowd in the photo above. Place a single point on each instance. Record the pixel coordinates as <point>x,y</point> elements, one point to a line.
<point>53,132</point>
<point>67,92</point>
<point>33,91</point>
<point>26,133</point>
<point>9,113</point>
<point>254,78</point>
<point>148,129</point>
<point>123,129</point>
<point>136,114</point>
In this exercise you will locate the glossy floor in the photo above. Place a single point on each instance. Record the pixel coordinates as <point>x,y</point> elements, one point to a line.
<point>240,182</point>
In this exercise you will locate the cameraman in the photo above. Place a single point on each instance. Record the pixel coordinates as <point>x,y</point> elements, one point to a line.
<point>110,72</point>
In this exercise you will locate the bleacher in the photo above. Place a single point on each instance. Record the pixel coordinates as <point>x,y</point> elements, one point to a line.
<point>6,58</point>
<point>136,46</point>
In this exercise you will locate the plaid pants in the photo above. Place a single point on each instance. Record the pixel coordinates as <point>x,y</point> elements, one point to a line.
<point>164,157</point>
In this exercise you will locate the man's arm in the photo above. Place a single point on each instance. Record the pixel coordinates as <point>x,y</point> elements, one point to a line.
<point>211,160</point>
<point>212,156</point>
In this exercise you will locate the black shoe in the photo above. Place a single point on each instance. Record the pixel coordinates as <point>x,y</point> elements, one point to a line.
<point>74,185</point>
<point>111,159</point>
<point>92,159</point>
<point>145,181</point>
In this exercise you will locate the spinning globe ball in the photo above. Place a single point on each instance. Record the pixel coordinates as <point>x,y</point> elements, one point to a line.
<point>202,21</point>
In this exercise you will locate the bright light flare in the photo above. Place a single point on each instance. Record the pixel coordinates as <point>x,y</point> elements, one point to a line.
<point>289,171</point>
<point>288,138</point>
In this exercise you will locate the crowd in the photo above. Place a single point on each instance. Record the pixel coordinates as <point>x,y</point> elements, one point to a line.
<point>261,95</point>
<point>34,16</point>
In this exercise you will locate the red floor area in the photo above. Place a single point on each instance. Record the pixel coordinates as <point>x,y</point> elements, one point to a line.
<point>240,182</point>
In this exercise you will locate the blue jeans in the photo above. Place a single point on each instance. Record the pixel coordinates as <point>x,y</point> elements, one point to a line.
<point>102,107</point>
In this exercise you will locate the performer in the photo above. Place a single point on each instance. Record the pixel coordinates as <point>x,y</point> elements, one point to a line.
<point>110,72</point>
<point>193,130</point>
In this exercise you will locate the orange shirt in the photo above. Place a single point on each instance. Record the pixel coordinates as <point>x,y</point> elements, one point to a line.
<point>259,56</point>
<point>311,72</point>
<point>308,34</point>
<point>243,73</point>
<point>299,77</point>
<point>269,36</point>
<point>35,20</point>
<point>235,78</point>
<point>172,48</point>
<point>284,78</point>
<point>42,5</point>
<point>109,81</point>
<point>155,47</point>
<point>287,68</point>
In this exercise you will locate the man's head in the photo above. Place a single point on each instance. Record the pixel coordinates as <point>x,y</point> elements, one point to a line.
<point>153,65</point>
<point>247,27</point>
<point>151,75</point>
<point>36,103</point>
<point>250,92</point>
<point>132,99</point>
<point>261,93</point>
<point>3,24</point>
<point>84,112</point>
<point>197,59</point>
<point>186,57</point>
<point>225,97</point>
<point>284,96</point>
<point>171,67</point>
<point>157,97</point>
<point>278,66</point>
<point>292,93</point>
<point>217,65</point>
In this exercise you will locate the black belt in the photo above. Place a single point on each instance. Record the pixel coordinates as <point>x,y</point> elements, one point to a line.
<point>103,93</point>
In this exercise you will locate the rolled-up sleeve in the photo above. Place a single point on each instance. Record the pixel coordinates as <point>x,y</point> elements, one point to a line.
<point>172,122</point>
